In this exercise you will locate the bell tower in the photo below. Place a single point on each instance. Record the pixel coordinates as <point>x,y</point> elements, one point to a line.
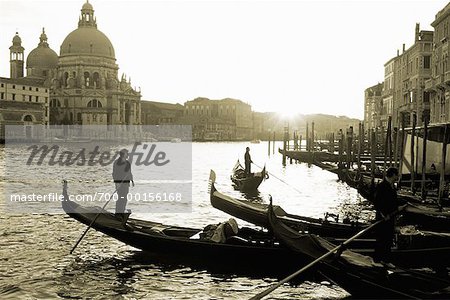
<point>16,59</point>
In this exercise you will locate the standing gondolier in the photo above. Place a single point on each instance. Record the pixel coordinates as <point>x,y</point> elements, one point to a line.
<point>122,176</point>
<point>386,203</point>
<point>248,161</point>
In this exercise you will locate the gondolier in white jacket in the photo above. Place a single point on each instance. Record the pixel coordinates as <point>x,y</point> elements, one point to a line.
<point>122,177</point>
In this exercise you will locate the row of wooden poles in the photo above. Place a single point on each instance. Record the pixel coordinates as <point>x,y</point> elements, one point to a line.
<point>391,152</point>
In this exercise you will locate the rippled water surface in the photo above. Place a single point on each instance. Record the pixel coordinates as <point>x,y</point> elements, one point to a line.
<point>34,253</point>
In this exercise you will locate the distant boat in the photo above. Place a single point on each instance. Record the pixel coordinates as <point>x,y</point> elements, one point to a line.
<point>246,182</point>
<point>255,141</point>
<point>175,140</point>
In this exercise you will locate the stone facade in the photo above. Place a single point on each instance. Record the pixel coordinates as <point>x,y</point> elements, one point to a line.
<point>160,113</point>
<point>83,80</point>
<point>226,119</point>
<point>22,102</point>
<point>372,106</point>
<point>439,84</point>
<point>403,93</point>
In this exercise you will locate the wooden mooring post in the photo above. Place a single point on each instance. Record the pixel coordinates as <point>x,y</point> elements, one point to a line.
<point>442,175</point>
<point>268,145</point>
<point>373,152</point>
<point>341,148</point>
<point>307,137</point>
<point>273,144</point>
<point>395,147</point>
<point>285,138</point>
<point>413,136</point>
<point>387,146</point>
<point>360,143</point>
<point>349,147</point>
<point>423,192</point>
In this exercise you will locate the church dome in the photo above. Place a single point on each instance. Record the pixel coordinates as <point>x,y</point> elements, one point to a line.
<point>87,6</point>
<point>42,56</point>
<point>87,41</point>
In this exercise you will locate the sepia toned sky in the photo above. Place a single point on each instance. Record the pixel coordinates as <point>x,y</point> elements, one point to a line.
<point>286,56</point>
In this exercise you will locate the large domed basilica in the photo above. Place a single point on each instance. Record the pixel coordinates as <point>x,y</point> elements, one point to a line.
<point>83,79</point>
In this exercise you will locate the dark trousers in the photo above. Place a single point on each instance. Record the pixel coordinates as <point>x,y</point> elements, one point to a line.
<point>384,241</point>
<point>247,168</point>
<point>122,192</point>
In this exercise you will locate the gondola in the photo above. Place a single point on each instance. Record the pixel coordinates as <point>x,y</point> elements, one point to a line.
<point>419,248</point>
<point>251,251</point>
<point>245,182</point>
<point>256,213</point>
<point>359,274</point>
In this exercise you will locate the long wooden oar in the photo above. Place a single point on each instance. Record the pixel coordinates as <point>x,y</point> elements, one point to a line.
<point>317,260</point>
<point>95,219</point>
<point>271,174</point>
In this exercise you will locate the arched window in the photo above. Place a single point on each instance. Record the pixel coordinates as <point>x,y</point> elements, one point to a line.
<point>86,79</point>
<point>66,76</point>
<point>55,103</point>
<point>94,103</point>
<point>96,79</point>
<point>28,118</point>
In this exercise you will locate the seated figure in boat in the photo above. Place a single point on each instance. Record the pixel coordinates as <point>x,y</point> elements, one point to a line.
<point>219,233</point>
<point>248,162</point>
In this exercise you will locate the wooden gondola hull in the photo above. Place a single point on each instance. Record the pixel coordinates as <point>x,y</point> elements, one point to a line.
<point>244,182</point>
<point>236,256</point>
<point>419,250</point>
<point>356,273</point>
<point>256,213</point>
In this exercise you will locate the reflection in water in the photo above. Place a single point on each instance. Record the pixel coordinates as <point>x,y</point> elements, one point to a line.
<point>34,259</point>
<point>253,196</point>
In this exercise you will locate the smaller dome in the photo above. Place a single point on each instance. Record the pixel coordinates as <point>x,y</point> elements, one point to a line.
<point>87,6</point>
<point>17,41</point>
<point>42,57</point>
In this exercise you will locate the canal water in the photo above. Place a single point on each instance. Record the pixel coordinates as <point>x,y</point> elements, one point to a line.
<point>34,248</point>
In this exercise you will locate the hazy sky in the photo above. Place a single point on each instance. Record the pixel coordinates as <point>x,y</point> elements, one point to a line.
<point>286,56</point>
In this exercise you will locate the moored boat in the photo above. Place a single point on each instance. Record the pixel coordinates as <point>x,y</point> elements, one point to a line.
<point>246,182</point>
<point>413,248</point>
<point>249,251</point>
<point>359,274</point>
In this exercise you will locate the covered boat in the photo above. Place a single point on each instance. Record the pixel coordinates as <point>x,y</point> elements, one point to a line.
<point>242,252</point>
<point>246,182</point>
<point>359,274</point>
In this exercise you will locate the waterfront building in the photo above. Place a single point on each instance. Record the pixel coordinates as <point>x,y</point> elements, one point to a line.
<point>372,106</point>
<point>83,80</point>
<point>403,93</point>
<point>412,68</point>
<point>226,119</point>
<point>161,113</point>
<point>387,94</point>
<point>439,84</point>
<point>23,100</point>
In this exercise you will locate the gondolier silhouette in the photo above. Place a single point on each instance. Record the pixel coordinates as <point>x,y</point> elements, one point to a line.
<point>248,161</point>
<point>386,203</point>
<point>122,177</point>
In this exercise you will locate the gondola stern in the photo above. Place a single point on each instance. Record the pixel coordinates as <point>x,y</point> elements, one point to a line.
<point>211,181</point>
